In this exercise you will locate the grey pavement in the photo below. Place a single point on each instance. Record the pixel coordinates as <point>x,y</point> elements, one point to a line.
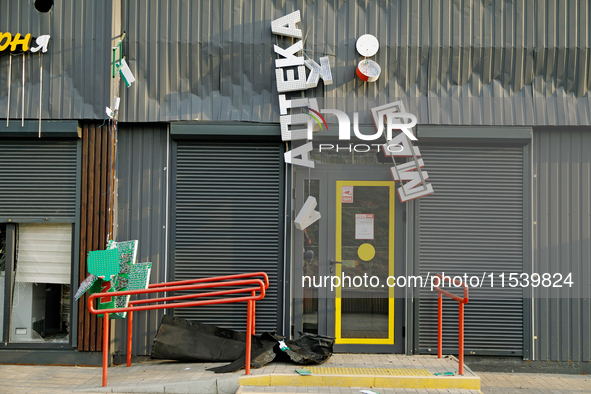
<point>174,377</point>
<point>526,383</point>
<point>145,377</point>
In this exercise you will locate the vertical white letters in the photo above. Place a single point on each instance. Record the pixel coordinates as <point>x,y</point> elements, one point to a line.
<point>318,71</point>
<point>307,214</point>
<point>286,25</point>
<point>291,156</point>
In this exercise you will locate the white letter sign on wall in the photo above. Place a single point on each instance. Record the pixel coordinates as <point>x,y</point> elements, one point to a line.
<point>291,156</point>
<point>42,43</point>
<point>286,25</point>
<point>307,214</point>
<point>285,120</point>
<point>285,104</point>
<point>290,60</point>
<point>291,84</point>
<point>411,190</point>
<point>303,133</point>
<point>393,112</point>
<point>285,69</point>
<point>318,71</point>
<point>400,146</point>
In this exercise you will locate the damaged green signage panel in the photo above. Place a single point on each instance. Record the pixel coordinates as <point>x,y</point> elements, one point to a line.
<point>103,263</point>
<point>115,269</point>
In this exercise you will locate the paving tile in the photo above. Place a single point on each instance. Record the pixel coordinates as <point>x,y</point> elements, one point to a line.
<point>44,379</point>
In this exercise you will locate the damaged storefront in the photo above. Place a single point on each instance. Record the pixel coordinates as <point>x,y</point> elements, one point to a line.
<point>40,219</point>
<point>350,151</point>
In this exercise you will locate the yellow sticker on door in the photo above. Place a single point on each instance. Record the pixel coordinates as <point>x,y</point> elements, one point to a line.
<point>366,252</point>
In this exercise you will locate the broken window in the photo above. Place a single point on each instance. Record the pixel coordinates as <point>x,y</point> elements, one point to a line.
<point>41,292</point>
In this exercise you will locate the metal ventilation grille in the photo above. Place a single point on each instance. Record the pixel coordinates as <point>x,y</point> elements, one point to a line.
<point>229,211</point>
<point>473,223</point>
<point>37,180</point>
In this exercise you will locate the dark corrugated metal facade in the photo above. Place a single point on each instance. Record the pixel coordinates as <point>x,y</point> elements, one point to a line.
<point>76,67</point>
<point>453,62</point>
<point>457,62</point>
<point>142,172</point>
<point>561,238</point>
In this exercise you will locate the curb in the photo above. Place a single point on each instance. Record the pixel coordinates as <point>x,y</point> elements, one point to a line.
<point>406,382</point>
<point>211,386</point>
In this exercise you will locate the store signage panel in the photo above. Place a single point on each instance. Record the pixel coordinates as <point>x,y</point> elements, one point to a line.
<point>300,126</point>
<point>18,43</point>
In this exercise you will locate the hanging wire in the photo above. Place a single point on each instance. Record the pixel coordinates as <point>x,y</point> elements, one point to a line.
<point>113,125</point>
<point>9,80</point>
<point>319,53</point>
<point>309,179</point>
<point>23,101</point>
<point>40,94</point>
<point>104,121</point>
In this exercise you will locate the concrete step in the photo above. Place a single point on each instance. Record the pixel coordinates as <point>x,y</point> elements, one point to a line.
<point>347,377</point>
<point>344,390</point>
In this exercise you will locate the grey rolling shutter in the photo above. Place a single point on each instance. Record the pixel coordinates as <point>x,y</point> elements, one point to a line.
<point>37,180</point>
<point>229,211</point>
<point>473,223</point>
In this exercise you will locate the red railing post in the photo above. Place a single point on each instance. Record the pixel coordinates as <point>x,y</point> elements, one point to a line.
<point>166,303</point>
<point>129,334</point>
<point>461,301</point>
<point>439,325</point>
<point>253,313</point>
<point>105,346</point>
<point>461,339</point>
<point>248,335</point>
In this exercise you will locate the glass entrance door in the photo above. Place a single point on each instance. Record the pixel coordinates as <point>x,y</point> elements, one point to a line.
<point>359,240</point>
<point>364,234</point>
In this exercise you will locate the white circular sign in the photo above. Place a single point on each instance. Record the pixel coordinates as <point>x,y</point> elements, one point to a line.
<point>367,45</point>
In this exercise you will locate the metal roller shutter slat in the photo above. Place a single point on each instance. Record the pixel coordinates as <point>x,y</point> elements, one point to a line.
<point>473,223</point>
<point>38,180</point>
<point>227,222</point>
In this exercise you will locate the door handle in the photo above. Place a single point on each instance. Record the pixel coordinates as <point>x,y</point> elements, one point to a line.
<point>332,262</point>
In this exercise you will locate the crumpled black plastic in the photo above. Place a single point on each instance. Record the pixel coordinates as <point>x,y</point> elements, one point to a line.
<point>259,356</point>
<point>183,340</point>
<point>190,341</point>
<point>306,350</point>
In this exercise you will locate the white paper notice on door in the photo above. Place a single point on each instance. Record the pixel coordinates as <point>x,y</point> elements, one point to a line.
<point>364,226</point>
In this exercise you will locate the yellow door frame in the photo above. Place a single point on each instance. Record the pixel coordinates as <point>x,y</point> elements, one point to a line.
<point>338,257</point>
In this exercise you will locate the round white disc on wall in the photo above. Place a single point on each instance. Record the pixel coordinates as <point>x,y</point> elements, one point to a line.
<point>367,45</point>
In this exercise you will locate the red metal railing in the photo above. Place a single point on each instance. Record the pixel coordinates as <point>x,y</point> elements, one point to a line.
<point>461,301</point>
<point>196,284</point>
